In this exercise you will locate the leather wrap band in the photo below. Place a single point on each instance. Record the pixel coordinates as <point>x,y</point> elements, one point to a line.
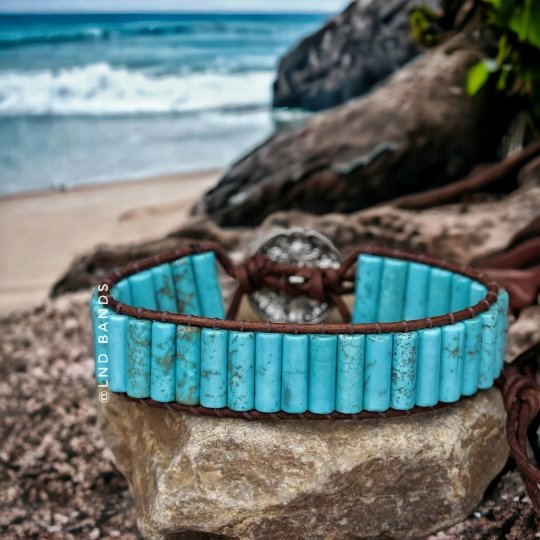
<point>423,333</point>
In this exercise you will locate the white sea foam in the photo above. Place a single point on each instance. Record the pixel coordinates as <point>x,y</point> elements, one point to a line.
<point>99,89</point>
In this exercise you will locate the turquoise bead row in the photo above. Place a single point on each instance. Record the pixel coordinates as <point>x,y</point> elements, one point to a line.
<point>298,373</point>
<point>389,290</point>
<point>187,285</point>
<point>319,373</point>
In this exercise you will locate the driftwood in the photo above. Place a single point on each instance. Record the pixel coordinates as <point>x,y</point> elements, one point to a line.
<point>517,270</point>
<point>419,130</point>
<point>463,232</point>
<point>88,269</point>
<point>490,178</point>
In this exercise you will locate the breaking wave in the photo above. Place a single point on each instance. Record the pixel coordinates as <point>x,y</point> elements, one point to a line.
<point>100,89</point>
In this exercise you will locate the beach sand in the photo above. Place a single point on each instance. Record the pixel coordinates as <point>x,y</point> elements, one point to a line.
<point>41,233</point>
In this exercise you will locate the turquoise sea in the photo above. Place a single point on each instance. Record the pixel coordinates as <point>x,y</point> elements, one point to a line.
<point>98,98</point>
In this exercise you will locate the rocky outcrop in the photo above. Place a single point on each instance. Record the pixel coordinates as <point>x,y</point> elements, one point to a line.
<point>386,478</point>
<point>417,131</point>
<point>351,53</point>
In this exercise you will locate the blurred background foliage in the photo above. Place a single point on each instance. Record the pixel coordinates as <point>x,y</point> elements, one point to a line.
<point>515,70</point>
<point>514,67</point>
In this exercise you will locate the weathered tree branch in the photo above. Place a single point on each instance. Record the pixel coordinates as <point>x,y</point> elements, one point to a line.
<point>483,180</point>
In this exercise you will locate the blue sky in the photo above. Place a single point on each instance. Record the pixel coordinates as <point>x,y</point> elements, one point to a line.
<point>86,6</point>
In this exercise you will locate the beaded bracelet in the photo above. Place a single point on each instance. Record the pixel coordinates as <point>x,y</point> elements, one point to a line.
<point>423,333</point>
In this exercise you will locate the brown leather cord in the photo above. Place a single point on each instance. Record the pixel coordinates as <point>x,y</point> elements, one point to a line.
<point>257,272</point>
<point>225,412</point>
<point>520,386</point>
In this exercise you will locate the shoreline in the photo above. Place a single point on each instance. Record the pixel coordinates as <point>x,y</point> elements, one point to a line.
<point>42,232</point>
<point>110,184</point>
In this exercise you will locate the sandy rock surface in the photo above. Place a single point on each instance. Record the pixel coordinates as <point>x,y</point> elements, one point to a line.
<point>392,478</point>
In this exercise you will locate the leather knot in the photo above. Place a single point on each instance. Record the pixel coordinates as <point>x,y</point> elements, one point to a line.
<point>258,272</point>
<point>250,274</point>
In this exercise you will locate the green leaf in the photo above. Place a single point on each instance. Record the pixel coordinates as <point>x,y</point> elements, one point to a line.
<point>502,82</point>
<point>517,64</point>
<point>533,34</point>
<point>424,26</point>
<point>525,22</point>
<point>495,3</point>
<point>477,77</point>
<point>505,49</point>
<point>519,21</point>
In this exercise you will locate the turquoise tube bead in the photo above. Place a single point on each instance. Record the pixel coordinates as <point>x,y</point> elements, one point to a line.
<point>96,302</point>
<point>100,329</point>
<point>241,371</point>
<point>141,288</point>
<point>428,367</point>
<point>184,285</point>
<point>377,372</point>
<point>440,282</point>
<point>489,345</point>
<point>404,360</point>
<point>188,364</point>
<point>453,345</point>
<point>416,295</point>
<point>214,368</point>
<point>478,291</point>
<point>208,286</point>
<point>294,373</point>
<point>502,321</point>
<point>472,356</point>
<point>162,373</point>
<point>368,282</point>
<point>118,325</point>
<point>392,290</point>
<point>139,337</point>
<point>350,373</point>
<point>164,287</point>
<point>121,292</point>
<point>114,293</point>
<point>461,287</point>
<point>322,373</point>
<point>268,372</point>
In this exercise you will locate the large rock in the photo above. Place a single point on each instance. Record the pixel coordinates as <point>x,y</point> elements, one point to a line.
<point>352,52</point>
<point>386,478</point>
<point>416,131</point>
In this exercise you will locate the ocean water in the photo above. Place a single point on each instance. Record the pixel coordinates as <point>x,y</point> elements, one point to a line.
<point>98,98</point>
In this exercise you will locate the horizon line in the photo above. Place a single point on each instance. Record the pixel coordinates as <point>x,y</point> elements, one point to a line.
<point>162,12</point>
